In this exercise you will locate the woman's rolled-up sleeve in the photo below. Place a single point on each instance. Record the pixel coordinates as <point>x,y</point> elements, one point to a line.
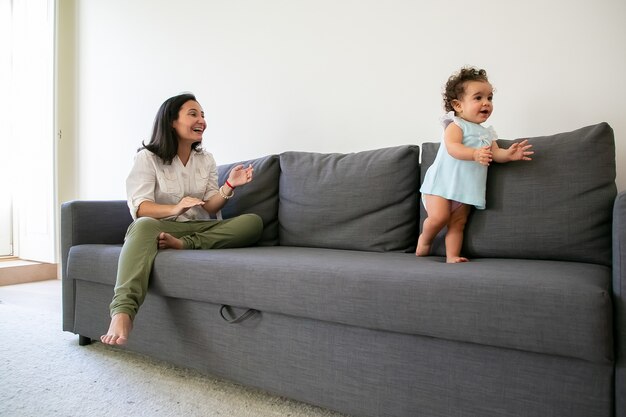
<point>211,185</point>
<point>140,183</point>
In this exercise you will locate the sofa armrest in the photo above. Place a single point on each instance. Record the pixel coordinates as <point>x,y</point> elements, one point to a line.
<point>84,222</point>
<point>619,303</point>
<point>92,222</point>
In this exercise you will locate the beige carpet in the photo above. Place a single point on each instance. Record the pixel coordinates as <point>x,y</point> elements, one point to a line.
<point>44,372</point>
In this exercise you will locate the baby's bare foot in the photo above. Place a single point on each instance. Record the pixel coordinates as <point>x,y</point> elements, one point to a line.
<point>167,241</point>
<point>119,329</point>
<point>456,259</point>
<point>422,248</point>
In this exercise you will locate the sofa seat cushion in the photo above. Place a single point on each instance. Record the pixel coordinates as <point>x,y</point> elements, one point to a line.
<point>551,307</point>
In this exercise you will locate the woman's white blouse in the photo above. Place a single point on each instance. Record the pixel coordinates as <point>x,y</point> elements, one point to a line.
<point>151,180</point>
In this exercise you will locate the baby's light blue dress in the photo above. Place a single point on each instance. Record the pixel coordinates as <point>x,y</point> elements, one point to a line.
<point>454,179</point>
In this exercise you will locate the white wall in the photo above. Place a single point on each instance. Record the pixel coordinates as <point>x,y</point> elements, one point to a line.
<point>326,75</point>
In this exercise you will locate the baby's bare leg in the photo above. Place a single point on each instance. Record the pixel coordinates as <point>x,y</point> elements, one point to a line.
<point>438,210</point>
<point>167,241</point>
<point>119,329</point>
<point>423,244</point>
<point>454,236</point>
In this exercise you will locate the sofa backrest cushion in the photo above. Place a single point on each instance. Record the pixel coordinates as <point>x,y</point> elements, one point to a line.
<point>557,206</point>
<point>359,201</point>
<point>260,196</point>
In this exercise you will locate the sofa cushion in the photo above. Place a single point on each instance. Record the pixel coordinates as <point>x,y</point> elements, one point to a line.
<point>360,201</point>
<point>557,206</point>
<point>550,307</point>
<point>259,196</point>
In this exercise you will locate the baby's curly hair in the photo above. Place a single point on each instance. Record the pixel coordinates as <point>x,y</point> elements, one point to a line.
<point>455,87</point>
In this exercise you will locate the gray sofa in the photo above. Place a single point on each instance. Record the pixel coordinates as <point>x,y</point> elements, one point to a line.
<point>333,308</point>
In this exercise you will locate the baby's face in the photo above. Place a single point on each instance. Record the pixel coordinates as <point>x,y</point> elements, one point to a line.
<point>476,104</point>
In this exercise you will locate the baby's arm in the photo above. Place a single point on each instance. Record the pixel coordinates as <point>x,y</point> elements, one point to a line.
<point>453,139</point>
<point>518,151</point>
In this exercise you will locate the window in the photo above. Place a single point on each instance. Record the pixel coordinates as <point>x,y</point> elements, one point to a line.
<point>27,112</point>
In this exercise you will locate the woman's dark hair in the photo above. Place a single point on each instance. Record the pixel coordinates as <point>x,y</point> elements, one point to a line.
<point>164,141</point>
<point>455,87</point>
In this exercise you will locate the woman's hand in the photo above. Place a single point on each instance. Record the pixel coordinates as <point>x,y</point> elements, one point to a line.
<point>240,175</point>
<point>185,204</point>
<point>236,177</point>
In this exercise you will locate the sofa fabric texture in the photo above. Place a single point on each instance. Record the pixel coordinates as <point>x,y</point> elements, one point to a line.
<point>619,293</point>
<point>350,319</point>
<point>359,201</point>
<point>396,292</point>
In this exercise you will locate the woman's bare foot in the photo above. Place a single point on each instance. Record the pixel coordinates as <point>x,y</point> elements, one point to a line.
<point>119,329</point>
<point>456,259</point>
<point>167,241</point>
<point>422,249</point>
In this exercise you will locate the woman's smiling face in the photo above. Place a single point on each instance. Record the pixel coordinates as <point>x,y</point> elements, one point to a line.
<point>190,124</point>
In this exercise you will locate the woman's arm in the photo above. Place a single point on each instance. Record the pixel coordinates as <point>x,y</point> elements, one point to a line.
<point>160,211</point>
<point>218,201</point>
<point>237,176</point>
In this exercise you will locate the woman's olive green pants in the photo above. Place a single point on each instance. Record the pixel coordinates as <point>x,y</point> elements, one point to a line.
<point>141,247</point>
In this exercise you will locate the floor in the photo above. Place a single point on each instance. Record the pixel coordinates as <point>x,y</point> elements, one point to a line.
<point>19,271</point>
<point>40,364</point>
<point>39,295</point>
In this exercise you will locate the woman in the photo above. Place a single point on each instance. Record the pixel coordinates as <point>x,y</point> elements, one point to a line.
<point>172,189</point>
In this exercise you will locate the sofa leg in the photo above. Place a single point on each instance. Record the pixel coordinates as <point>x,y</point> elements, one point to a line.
<point>83,340</point>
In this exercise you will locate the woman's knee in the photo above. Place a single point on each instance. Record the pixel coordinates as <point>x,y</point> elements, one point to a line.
<point>248,229</point>
<point>253,224</point>
<point>145,226</point>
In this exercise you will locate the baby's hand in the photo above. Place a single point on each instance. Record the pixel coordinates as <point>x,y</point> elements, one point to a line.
<point>519,151</point>
<point>483,155</point>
